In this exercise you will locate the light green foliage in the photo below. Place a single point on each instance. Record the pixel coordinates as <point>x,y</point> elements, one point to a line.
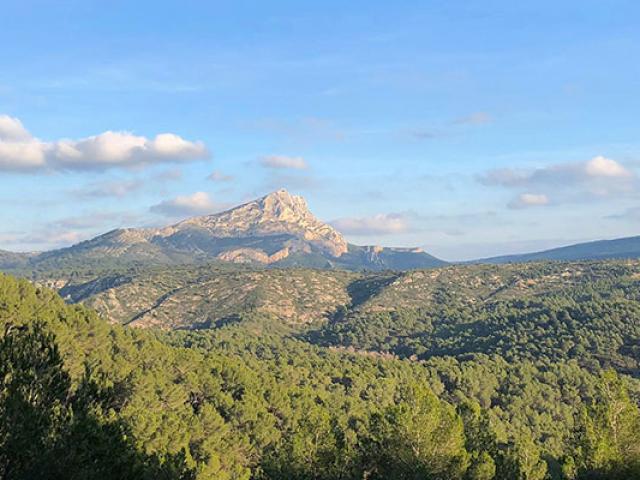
<point>418,437</point>
<point>607,439</point>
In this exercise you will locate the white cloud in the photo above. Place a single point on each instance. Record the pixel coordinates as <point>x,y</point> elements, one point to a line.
<point>381,224</point>
<point>12,129</point>
<point>22,156</point>
<point>605,167</point>
<point>184,205</point>
<point>283,161</point>
<point>599,177</point>
<point>525,200</point>
<point>20,151</point>
<point>581,172</point>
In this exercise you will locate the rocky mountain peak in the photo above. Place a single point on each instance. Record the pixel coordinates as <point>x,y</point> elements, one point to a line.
<point>283,206</point>
<point>277,213</point>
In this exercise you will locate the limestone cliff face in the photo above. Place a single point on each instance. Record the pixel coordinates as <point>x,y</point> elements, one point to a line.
<point>249,255</point>
<point>275,214</point>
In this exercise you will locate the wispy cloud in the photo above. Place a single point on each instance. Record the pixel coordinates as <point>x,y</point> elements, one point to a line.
<point>171,175</point>
<point>630,214</point>
<point>283,162</point>
<point>114,188</point>
<point>95,220</point>
<point>295,182</point>
<point>381,224</point>
<point>476,118</point>
<point>526,200</point>
<point>218,176</point>
<point>198,203</point>
<point>307,130</point>
<point>67,231</point>
<point>421,134</point>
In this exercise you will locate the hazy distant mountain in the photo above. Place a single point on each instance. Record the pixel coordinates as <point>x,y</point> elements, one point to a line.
<point>620,248</point>
<point>277,229</point>
<point>10,260</point>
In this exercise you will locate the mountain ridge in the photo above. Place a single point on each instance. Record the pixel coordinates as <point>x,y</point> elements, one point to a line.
<point>277,229</point>
<point>620,248</point>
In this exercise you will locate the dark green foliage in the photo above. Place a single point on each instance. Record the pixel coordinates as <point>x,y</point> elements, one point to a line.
<point>47,430</point>
<point>33,399</point>
<point>255,399</point>
<point>597,324</point>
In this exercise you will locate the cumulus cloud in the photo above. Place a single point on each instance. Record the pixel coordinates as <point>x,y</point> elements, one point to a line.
<point>283,161</point>
<point>597,168</point>
<point>526,200</point>
<point>605,167</point>
<point>11,129</point>
<point>381,224</point>
<point>198,203</point>
<point>218,176</point>
<point>597,177</point>
<point>20,151</point>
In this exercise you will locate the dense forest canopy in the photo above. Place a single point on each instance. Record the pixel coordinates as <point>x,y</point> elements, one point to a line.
<point>543,384</point>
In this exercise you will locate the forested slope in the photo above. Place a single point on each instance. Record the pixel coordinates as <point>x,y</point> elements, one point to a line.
<point>80,398</point>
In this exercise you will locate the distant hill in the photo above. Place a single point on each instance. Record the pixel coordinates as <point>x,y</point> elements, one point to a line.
<point>603,249</point>
<point>195,297</point>
<point>12,260</point>
<point>275,230</point>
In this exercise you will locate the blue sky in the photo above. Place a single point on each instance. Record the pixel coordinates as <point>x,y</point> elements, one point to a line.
<point>469,128</point>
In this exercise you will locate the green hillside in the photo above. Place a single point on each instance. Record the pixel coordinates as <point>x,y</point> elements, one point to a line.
<point>494,372</point>
<point>200,296</point>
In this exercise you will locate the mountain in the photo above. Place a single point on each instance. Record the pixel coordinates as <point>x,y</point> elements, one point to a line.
<point>11,260</point>
<point>602,249</point>
<point>277,229</point>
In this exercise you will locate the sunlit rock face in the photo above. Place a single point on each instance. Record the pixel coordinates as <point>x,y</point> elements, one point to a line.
<point>275,214</point>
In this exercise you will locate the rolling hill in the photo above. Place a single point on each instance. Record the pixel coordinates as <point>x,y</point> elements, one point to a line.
<point>206,296</point>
